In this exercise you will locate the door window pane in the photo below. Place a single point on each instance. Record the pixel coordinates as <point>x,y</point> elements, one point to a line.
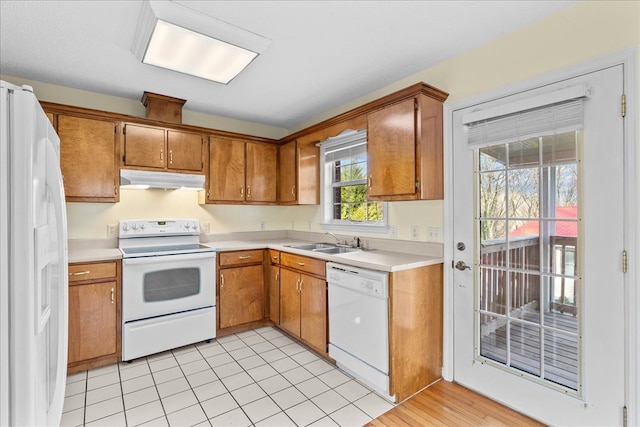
<point>529,283</point>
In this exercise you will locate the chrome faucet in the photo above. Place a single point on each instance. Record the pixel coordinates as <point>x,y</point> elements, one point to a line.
<point>334,236</point>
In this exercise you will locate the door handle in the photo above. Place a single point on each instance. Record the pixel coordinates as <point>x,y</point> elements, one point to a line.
<point>460,265</point>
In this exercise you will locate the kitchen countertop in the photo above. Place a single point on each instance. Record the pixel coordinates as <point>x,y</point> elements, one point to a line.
<point>375,259</point>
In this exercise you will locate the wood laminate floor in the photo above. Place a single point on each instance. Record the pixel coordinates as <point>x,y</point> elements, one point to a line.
<point>449,404</point>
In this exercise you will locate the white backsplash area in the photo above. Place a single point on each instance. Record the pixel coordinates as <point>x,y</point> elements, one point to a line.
<point>90,220</point>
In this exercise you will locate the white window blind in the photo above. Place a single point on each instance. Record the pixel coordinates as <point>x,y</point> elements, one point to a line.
<point>554,116</point>
<point>345,145</point>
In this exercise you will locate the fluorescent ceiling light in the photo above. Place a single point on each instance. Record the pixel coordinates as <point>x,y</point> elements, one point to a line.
<point>180,39</point>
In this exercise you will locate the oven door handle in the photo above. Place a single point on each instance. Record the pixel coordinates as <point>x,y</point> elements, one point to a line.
<point>167,258</point>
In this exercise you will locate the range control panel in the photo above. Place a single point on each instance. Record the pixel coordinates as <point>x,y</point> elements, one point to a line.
<point>158,227</point>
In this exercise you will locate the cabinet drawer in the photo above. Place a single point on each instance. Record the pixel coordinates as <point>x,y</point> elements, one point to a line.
<point>302,263</point>
<point>240,258</point>
<point>274,256</point>
<point>93,271</point>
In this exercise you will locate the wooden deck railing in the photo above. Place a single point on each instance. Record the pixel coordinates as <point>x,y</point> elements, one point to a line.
<point>524,254</point>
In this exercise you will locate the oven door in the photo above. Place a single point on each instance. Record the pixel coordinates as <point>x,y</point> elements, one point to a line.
<point>159,285</point>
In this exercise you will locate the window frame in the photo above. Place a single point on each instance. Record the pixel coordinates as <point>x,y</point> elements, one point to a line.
<point>348,138</point>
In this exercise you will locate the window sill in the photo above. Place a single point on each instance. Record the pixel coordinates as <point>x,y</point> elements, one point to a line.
<point>353,227</point>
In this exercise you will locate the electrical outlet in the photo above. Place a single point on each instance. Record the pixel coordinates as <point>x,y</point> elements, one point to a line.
<point>394,231</point>
<point>415,232</point>
<point>433,234</point>
<point>111,230</point>
<point>206,227</point>
<point>262,225</point>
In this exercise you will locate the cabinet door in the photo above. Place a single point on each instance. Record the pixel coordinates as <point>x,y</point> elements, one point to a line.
<point>226,170</point>
<point>261,172</point>
<point>391,150</point>
<point>313,312</point>
<point>144,146</point>
<point>289,301</point>
<point>274,293</point>
<point>287,176</point>
<point>92,321</point>
<point>241,295</point>
<point>308,174</point>
<point>185,151</point>
<point>88,159</point>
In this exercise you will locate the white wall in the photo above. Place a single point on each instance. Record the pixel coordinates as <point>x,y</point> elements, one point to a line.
<point>579,33</point>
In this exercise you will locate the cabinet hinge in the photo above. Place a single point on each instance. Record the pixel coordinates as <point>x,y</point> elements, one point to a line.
<point>625,265</point>
<point>415,104</point>
<point>623,106</point>
<point>417,185</point>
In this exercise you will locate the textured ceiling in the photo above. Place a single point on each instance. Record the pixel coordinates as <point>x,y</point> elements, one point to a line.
<point>323,53</point>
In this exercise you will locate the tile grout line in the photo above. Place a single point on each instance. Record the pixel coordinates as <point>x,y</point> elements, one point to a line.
<point>250,338</point>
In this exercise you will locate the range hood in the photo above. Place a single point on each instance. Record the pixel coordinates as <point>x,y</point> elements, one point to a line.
<point>148,179</point>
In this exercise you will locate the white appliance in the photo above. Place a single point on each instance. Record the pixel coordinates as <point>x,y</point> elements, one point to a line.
<point>33,264</point>
<point>359,324</point>
<point>168,286</point>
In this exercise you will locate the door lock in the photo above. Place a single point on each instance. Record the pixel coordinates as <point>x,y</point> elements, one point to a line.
<point>460,265</point>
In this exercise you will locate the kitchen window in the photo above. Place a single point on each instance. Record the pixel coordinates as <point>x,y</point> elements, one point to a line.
<point>344,185</point>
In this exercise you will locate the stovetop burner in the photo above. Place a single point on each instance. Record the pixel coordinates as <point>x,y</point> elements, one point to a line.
<point>158,237</point>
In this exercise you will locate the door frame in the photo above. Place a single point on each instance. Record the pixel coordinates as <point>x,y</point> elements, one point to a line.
<point>629,59</point>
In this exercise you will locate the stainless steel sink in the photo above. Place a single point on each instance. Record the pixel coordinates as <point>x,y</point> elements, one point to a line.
<point>337,250</point>
<point>325,248</point>
<point>312,246</point>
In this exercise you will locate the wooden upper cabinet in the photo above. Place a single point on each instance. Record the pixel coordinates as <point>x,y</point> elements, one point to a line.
<point>241,171</point>
<point>287,173</point>
<point>144,146</point>
<point>391,150</point>
<point>185,150</point>
<point>161,148</point>
<point>88,158</point>
<point>261,172</point>
<point>404,149</point>
<point>226,170</point>
<point>308,168</point>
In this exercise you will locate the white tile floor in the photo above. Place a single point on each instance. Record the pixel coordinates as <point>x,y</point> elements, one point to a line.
<point>259,377</point>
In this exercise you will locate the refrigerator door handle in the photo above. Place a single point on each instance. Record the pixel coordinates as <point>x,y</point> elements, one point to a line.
<point>53,178</point>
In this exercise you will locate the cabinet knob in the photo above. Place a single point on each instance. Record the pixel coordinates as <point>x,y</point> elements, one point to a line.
<point>113,298</point>
<point>170,157</point>
<point>301,264</point>
<point>161,156</point>
<point>242,191</point>
<point>221,280</point>
<point>244,257</point>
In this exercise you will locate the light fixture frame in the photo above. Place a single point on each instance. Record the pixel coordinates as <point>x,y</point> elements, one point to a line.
<point>153,11</point>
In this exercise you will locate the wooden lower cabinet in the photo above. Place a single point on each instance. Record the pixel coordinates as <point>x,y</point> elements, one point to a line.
<point>273,282</point>
<point>94,315</point>
<point>241,295</point>
<point>415,329</point>
<point>241,289</point>
<point>303,305</point>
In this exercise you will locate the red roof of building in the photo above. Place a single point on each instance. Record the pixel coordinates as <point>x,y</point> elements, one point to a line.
<point>563,228</point>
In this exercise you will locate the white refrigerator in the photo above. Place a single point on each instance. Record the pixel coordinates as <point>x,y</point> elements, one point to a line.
<point>33,264</point>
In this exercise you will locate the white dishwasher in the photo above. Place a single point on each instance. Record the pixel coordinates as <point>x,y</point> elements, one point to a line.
<point>359,324</point>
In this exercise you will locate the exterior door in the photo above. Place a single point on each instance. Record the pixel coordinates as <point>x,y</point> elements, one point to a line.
<point>538,237</point>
